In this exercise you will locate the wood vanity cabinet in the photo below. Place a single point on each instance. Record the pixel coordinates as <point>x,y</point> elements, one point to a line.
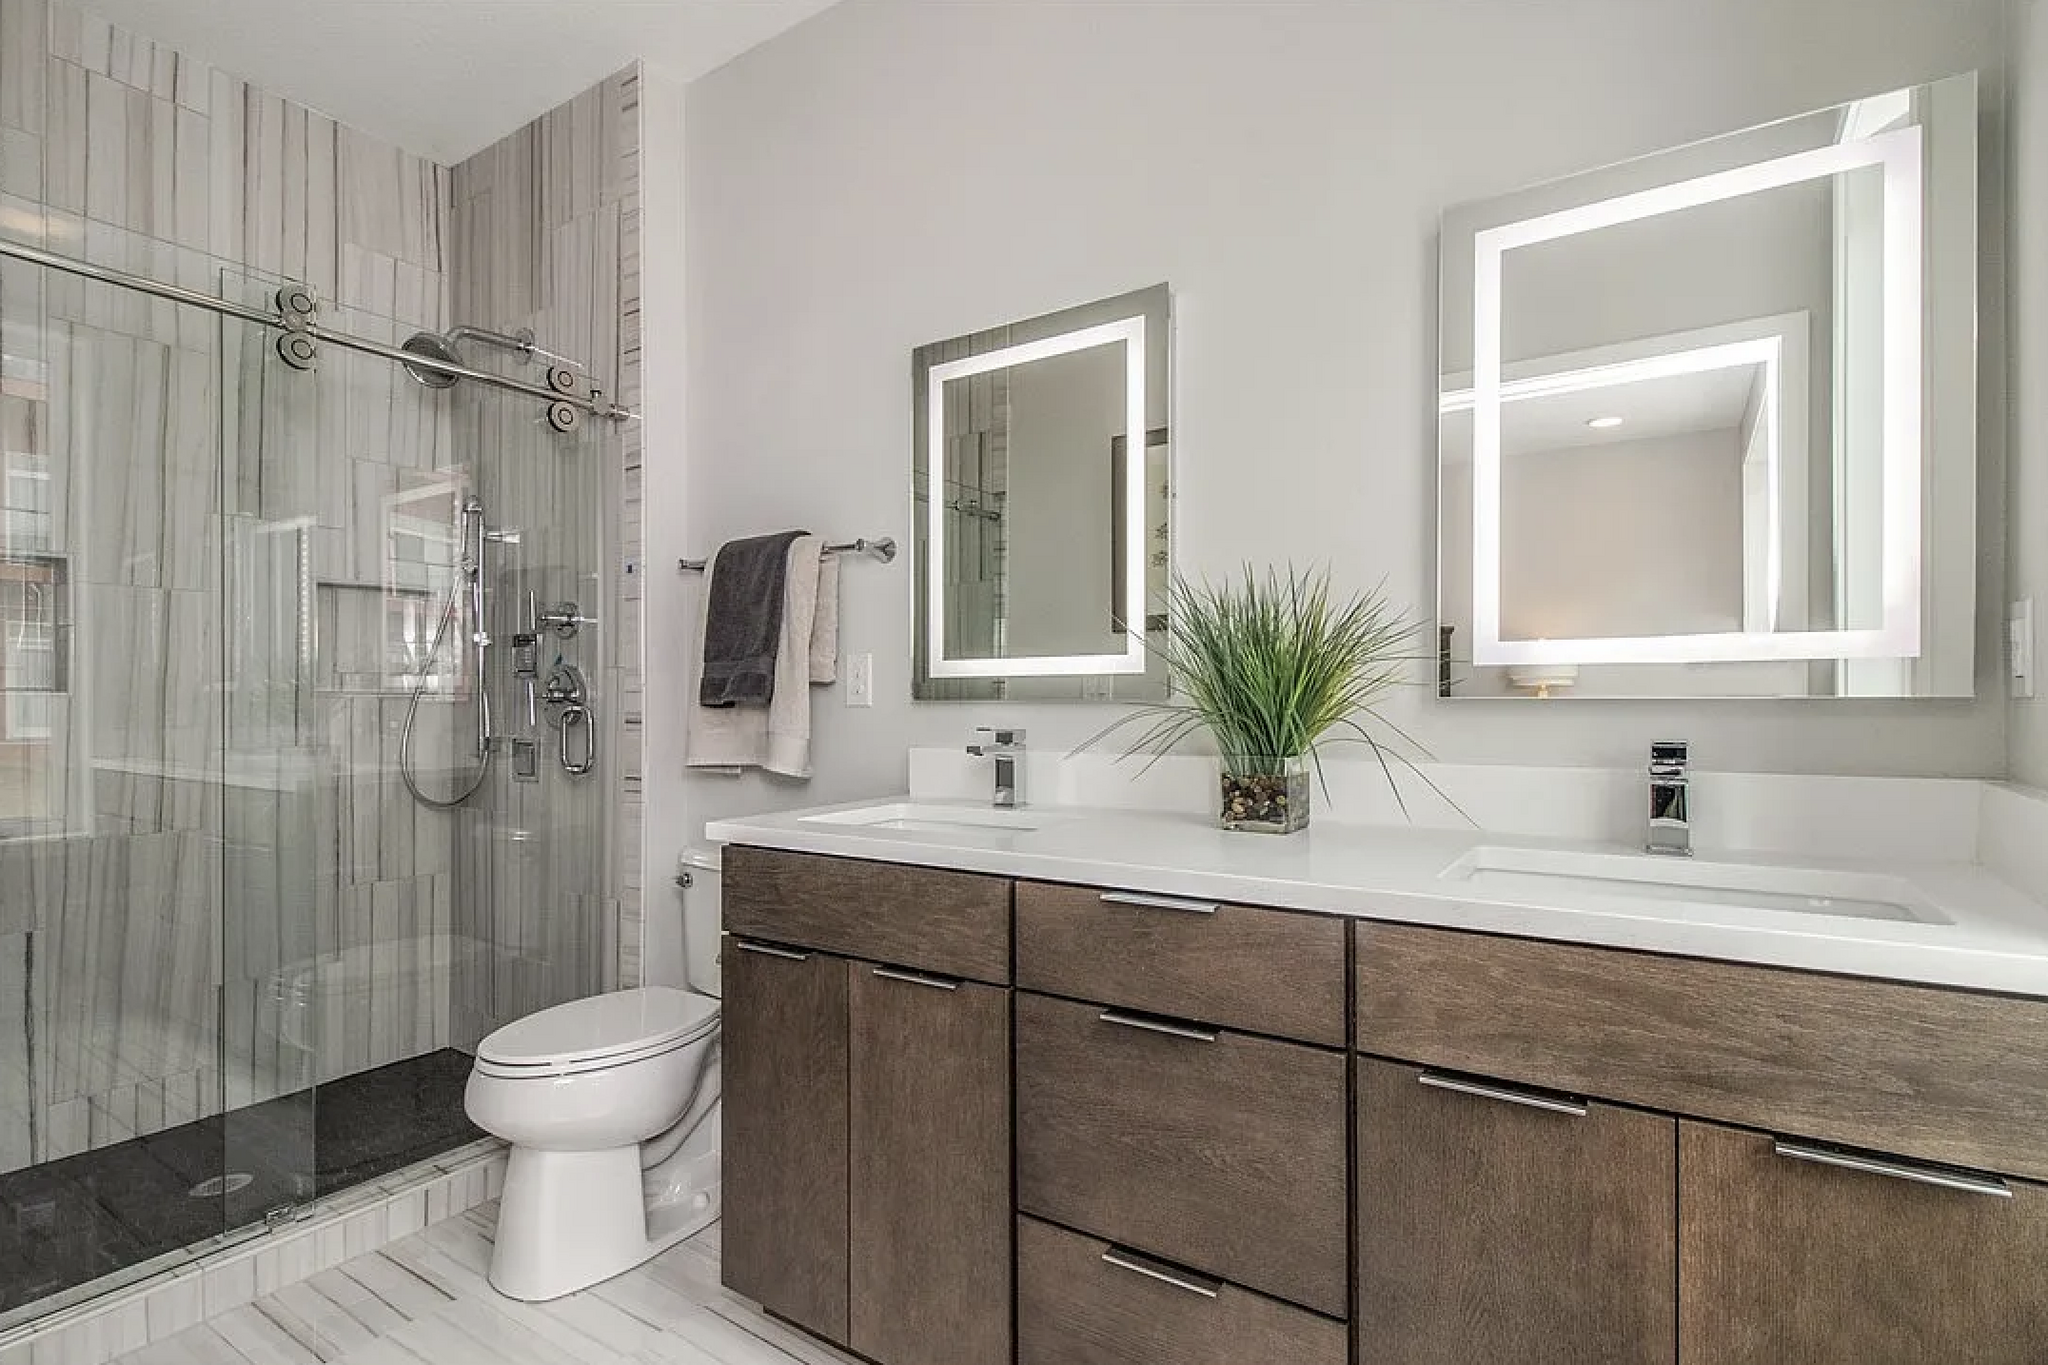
<point>930,1223</point>
<point>867,1108</point>
<point>1497,1223</point>
<point>783,1043</point>
<point>1248,1135</point>
<point>1783,1259</point>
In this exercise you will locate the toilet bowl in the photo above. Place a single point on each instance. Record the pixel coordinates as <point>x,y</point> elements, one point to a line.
<point>599,1098</point>
<point>610,1104</point>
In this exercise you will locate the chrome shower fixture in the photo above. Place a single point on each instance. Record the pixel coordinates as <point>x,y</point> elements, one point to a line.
<point>442,346</point>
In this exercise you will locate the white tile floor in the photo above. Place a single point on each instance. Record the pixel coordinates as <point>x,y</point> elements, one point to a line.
<point>425,1300</point>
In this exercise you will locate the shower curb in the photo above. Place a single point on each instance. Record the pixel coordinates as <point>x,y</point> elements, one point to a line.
<point>330,1231</point>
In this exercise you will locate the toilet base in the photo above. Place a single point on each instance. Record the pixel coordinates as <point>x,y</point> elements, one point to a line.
<point>569,1220</point>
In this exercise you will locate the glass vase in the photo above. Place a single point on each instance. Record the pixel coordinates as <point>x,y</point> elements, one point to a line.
<point>1265,795</point>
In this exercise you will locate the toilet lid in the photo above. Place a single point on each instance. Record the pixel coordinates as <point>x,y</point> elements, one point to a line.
<point>603,1026</point>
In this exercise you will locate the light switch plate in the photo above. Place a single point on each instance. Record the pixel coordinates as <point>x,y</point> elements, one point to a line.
<point>2019,646</point>
<point>860,680</point>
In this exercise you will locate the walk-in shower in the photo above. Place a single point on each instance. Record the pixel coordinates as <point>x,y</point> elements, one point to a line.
<point>278,840</point>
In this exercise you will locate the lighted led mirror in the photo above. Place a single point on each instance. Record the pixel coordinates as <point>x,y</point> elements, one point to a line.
<point>1042,479</point>
<point>1707,419</point>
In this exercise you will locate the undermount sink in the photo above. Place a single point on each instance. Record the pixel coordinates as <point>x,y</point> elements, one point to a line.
<point>921,818</point>
<point>1544,875</point>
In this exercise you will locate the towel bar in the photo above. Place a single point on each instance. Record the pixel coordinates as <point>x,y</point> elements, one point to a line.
<point>883,549</point>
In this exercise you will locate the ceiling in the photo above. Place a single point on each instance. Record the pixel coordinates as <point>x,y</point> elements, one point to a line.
<point>444,78</point>
<point>1672,405</point>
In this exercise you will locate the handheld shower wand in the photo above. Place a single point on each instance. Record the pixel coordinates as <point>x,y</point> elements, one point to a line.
<point>470,573</point>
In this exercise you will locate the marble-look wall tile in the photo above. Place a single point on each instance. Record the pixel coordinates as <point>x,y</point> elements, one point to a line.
<point>24,57</point>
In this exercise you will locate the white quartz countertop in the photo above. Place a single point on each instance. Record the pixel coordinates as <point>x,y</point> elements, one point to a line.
<point>1996,940</point>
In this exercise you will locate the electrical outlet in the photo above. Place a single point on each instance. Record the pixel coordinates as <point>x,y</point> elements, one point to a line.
<point>2019,646</point>
<point>1098,688</point>
<point>860,680</point>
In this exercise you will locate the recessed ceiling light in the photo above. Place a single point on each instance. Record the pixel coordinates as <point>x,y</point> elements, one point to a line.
<point>1604,423</point>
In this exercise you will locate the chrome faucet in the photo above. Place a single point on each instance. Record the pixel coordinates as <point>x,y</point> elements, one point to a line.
<point>1006,747</point>
<point>1670,804</point>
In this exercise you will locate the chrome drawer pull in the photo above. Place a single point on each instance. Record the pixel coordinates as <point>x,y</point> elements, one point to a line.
<point>937,983</point>
<point>1122,1261</point>
<point>1138,1021</point>
<point>1897,1170</point>
<point>766,950</point>
<point>1158,902</point>
<point>1530,1099</point>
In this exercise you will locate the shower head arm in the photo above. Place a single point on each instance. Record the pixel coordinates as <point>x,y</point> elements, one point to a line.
<point>520,341</point>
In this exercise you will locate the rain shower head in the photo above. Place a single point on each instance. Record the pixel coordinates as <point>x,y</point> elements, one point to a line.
<point>437,346</point>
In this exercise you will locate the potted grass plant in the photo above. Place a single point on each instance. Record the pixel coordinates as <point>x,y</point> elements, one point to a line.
<point>1275,667</point>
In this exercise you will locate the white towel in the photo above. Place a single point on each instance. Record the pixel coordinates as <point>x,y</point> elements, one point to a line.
<point>825,628</point>
<point>775,737</point>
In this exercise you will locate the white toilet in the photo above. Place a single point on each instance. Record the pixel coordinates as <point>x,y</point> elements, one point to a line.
<point>611,1106</point>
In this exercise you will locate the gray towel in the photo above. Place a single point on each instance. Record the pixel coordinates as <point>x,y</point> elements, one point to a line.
<point>743,620</point>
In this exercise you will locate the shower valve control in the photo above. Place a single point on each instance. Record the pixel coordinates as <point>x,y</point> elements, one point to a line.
<point>563,618</point>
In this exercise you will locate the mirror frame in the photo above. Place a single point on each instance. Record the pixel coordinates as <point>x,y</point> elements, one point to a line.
<point>1136,484</point>
<point>1130,333</point>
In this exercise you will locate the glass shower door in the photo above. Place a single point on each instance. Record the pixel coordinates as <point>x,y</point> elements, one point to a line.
<point>121,800</point>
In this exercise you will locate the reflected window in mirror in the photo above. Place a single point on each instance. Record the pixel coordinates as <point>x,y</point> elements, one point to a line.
<point>1043,529</point>
<point>1708,418</point>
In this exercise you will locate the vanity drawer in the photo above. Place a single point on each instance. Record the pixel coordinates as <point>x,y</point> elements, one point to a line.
<point>1085,1302</point>
<point>1943,1075</point>
<point>1214,1150</point>
<point>1263,971</point>
<point>951,923</point>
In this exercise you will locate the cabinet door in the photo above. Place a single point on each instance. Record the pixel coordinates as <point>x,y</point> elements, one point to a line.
<point>1493,1228</point>
<point>931,1221</point>
<point>1783,1258</point>
<point>784,1038</point>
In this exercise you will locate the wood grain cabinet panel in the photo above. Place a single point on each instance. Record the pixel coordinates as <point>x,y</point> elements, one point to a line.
<point>1783,1260</point>
<point>931,1220</point>
<point>1941,1075</point>
<point>1223,1152</point>
<point>1262,971</point>
<point>784,1059</point>
<point>1076,1308</point>
<point>1489,1230</point>
<point>956,923</point>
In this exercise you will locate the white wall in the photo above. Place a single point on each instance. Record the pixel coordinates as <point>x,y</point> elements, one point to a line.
<point>2029,250</point>
<point>892,172</point>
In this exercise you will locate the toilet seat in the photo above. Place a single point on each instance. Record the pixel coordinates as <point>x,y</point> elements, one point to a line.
<point>598,1033</point>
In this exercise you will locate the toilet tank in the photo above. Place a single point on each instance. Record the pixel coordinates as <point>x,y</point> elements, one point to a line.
<point>703,917</point>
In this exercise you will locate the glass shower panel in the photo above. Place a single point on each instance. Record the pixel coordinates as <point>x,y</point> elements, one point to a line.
<point>113,820</point>
<point>531,922</point>
<point>343,555</point>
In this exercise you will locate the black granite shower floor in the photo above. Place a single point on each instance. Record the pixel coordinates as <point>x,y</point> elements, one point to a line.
<point>69,1221</point>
